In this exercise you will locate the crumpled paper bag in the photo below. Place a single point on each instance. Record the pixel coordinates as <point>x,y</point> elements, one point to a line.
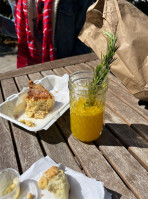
<point>131,28</point>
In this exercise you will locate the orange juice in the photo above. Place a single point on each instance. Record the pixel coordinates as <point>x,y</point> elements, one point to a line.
<point>86,121</point>
<point>87,105</point>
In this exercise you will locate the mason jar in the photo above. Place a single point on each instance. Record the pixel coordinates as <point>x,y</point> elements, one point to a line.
<point>87,105</point>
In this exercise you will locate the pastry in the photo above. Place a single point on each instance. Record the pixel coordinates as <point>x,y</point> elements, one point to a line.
<point>39,101</point>
<point>55,181</point>
<point>27,122</point>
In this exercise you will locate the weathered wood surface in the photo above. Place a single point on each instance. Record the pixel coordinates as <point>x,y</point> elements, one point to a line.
<point>130,139</point>
<point>127,98</point>
<point>22,82</point>
<point>93,162</point>
<point>136,145</point>
<point>52,141</point>
<point>119,157</point>
<point>49,65</point>
<point>27,145</point>
<point>133,141</point>
<point>90,158</point>
<point>7,150</point>
<point>124,163</point>
<point>142,129</point>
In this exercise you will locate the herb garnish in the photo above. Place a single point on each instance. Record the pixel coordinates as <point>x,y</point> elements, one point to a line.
<point>102,70</point>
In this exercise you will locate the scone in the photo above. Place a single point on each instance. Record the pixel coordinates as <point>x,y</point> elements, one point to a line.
<point>56,182</point>
<point>39,101</point>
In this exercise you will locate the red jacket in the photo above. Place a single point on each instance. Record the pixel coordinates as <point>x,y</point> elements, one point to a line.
<point>31,49</point>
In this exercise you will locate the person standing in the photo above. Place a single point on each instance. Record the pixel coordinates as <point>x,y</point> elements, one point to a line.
<point>46,29</point>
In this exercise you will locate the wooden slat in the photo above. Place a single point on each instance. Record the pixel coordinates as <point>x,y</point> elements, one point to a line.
<point>47,72</point>
<point>142,130</point>
<point>74,68</point>
<point>135,143</point>
<point>127,98</point>
<point>137,146</point>
<point>126,112</point>
<point>52,141</point>
<point>60,71</point>
<point>111,117</point>
<point>49,65</point>
<point>7,153</point>
<point>130,170</point>
<point>56,147</point>
<point>27,144</point>
<point>113,78</point>
<point>93,162</point>
<point>125,192</point>
<point>94,63</point>
<point>139,153</point>
<point>22,82</point>
<point>35,76</point>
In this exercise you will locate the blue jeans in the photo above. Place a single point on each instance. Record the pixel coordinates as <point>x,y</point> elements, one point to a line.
<point>71,15</point>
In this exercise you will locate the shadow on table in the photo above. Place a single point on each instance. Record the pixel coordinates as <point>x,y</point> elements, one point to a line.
<point>51,136</point>
<point>143,103</point>
<point>114,134</point>
<point>115,195</point>
<point>55,134</point>
<point>59,131</point>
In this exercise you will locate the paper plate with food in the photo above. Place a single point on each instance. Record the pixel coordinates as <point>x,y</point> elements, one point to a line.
<point>47,180</point>
<point>38,106</point>
<point>56,181</point>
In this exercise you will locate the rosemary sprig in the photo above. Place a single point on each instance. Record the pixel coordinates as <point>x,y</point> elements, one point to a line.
<point>103,68</point>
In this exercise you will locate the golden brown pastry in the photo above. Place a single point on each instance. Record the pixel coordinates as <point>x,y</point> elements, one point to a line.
<point>29,196</point>
<point>27,122</point>
<point>39,101</point>
<point>55,181</point>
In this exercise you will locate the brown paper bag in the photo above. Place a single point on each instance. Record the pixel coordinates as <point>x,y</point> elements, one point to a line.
<point>131,28</point>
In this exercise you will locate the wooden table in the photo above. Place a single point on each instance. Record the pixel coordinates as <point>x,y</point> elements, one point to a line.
<point>119,158</point>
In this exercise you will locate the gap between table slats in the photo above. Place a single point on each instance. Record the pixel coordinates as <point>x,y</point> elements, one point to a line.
<point>133,174</point>
<point>141,144</point>
<point>48,65</point>
<point>7,146</point>
<point>125,96</point>
<point>52,141</point>
<point>76,145</point>
<point>55,70</point>
<point>26,142</point>
<point>136,145</point>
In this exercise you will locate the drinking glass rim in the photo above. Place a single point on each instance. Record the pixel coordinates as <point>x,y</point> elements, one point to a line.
<point>17,174</point>
<point>86,72</point>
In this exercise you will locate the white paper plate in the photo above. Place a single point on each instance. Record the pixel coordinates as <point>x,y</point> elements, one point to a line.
<point>13,109</point>
<point>81,186</point>
<point>29,186</point>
